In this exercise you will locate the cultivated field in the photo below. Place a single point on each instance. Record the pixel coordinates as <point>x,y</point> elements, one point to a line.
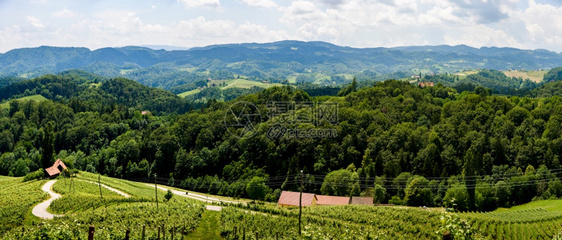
<point>113,215</point>
<point>231,83</point>
<point>535,76</point>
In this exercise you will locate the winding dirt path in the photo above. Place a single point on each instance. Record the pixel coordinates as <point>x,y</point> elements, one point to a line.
<point>198,198</point>
<point>110,189</point>
<point>40,210</point>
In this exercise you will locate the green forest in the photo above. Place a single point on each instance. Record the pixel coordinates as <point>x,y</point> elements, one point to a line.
<point>405,145</point>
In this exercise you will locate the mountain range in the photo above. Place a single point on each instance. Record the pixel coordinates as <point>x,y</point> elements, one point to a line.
<point>275,61</point>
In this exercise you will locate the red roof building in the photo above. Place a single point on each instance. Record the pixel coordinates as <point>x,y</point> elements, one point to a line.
<point>291,199</point>
<point>362,200</point>
<point>56,169</point>
<point>426,84</point>
<point>332,200</point>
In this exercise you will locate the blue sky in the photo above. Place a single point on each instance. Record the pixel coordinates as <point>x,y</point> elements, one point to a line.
<point>527,24</point>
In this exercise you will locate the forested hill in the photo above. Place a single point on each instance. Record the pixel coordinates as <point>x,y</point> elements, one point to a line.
<point>408,145</point>
<point>276,61</point>
<point>85,92</point>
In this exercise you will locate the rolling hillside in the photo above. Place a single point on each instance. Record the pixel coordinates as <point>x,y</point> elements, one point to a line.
<point>37,98</point>
<point>276,61</point>
<point>84,203</point>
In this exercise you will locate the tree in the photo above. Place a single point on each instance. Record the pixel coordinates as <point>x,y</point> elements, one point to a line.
<point>400,183</point>
<point>380,194</point>
<point>340,183</point>
<point>418,193</point>
<point>349,89</point>
<point>554,189</point>
<point>456,197</point>
<point>517,115</point>
<point>473,163</point>
<point>256,188</point>
<point>485,197</point>
<point>503,193</point>
<point>20,168</point>
<point>47,145</point>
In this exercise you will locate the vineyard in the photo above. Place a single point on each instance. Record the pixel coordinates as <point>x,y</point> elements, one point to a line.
<point>113,221</point>
<point>81,195</point>
<point>535,220</point>
<point>16,201</point>
<point>114,215</point>
<point>331,222</point>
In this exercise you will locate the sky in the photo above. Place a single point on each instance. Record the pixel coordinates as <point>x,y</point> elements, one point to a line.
<point>526,24</point>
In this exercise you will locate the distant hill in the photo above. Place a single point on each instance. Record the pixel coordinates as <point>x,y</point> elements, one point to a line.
<point>87,93</point>
<point>275,62</point>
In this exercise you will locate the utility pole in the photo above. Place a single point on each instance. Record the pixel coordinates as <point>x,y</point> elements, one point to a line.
<point>99,183</point>
<point>300,204</point>
<point>156,191</point>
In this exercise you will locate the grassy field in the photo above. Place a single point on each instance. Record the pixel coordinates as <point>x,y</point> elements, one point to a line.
<point>33,97</point>
<point>191,92</point>
<point>292,78</point>
<point>231,83</point>
<point>549,205</point>
<point>463,74</point>
<point>243,83</point>
<point>535,76</point>
<point>208,228</point>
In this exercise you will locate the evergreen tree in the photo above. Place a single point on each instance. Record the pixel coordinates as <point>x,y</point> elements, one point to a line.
<point>47,146</point>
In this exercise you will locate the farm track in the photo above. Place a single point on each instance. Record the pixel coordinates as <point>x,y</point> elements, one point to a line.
<point>109,188</point>
<point>40,210</point>
<point>197,197</point>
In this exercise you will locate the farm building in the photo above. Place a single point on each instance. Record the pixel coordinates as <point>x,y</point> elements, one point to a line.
<point>362,200</point>
<point>332,200</point>
<point>291,199</point>
<point>55,170</point>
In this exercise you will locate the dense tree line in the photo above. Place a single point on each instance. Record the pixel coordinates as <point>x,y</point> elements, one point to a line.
<point>396,141</point>
<point>554,74</point>
<point>88,93</point>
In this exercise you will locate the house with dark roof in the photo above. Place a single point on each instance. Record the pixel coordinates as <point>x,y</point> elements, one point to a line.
<point>291,199</point>
<point>332,200</point>
<point>361,200</point>
<point>55,170</point>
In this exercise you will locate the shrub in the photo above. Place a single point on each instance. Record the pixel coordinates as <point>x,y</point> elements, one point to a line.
<point>37,175</point>
<point>168,195</point>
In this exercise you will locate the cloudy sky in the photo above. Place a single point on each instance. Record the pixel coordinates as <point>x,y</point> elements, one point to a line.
<point>528,24</point>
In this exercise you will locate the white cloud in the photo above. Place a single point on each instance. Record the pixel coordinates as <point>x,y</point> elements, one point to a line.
<point>222,31</point>
<point>35,22</point>
<point>65,13</point>
<point>543,23</point>
<point>200,3</point>
<point>201,28</point>
<point>360,23</point>
<point>302,11</point>
<point>261,3</point>
<point>480,36</point>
